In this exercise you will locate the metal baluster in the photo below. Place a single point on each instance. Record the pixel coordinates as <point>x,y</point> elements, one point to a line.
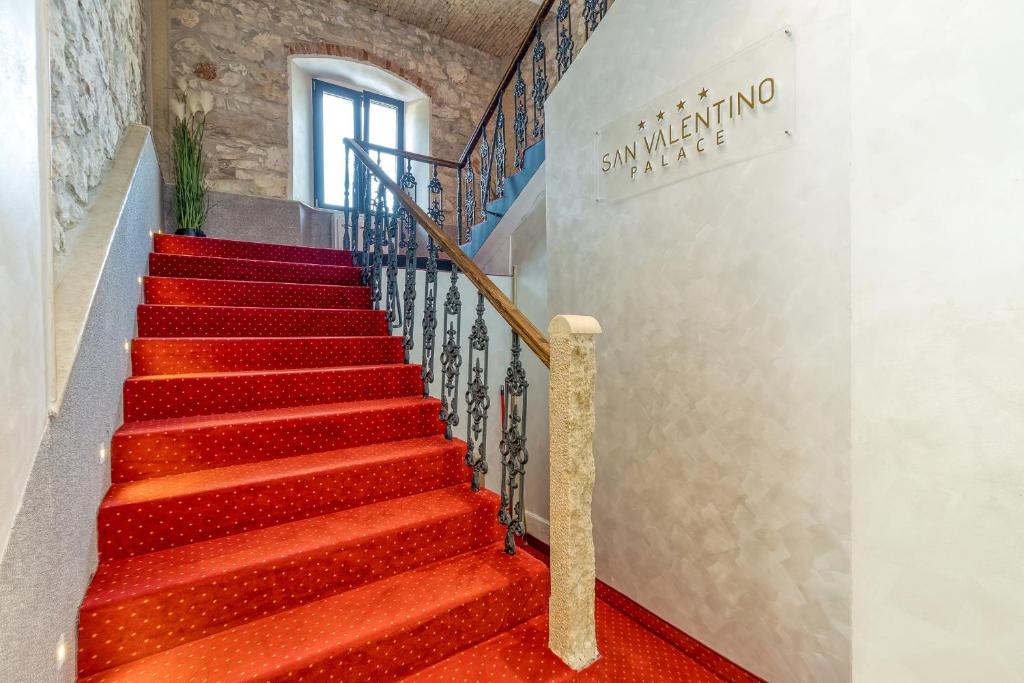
<point>364,218</point>
<point>593,12</point>
<point>477,400</point>
<point>563,27</point>
<point>514,454</point>
<point>346,238</point>
<point>485,173</point>
<point>519,121</point>
<point>499,148</point>
<point>380,220</point>
<point>451,356</point>
<point>436,212</point>
<point>409,241</point>
<point>458,204</point>
<point>470,199</point>
<point>392,225</point>
<point>540,85</point>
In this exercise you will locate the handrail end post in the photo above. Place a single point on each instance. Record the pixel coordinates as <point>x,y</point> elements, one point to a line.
<point>572,634</point>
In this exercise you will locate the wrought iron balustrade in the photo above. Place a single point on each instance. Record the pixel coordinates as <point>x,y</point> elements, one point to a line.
<point>384,229</point>
<point>384,217</point>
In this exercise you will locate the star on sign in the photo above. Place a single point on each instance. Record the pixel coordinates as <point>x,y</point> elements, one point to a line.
<point>661,116</point>
<point>703,94</point>
<point>641,125</point>
<point>682,103</point>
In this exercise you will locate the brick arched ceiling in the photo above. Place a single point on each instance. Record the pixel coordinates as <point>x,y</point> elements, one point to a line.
<point>493,26</point>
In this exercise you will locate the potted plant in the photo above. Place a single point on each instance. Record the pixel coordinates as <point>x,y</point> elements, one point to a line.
<point>190,201</point>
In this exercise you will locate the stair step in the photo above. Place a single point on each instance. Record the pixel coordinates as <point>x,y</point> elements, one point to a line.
<point>243,321</point>
<point>176,355</point>
<point>131,603</point>
<point>377,631</point>
<point>520,655</point>
<point>165,396</point>
<point>155,448</point>
<point>217,268</point>
<point>208,246</point>
<point>164,512</point>
<point>195,292</point>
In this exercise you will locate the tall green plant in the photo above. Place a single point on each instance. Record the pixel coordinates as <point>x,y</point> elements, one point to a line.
<point>190,202</point>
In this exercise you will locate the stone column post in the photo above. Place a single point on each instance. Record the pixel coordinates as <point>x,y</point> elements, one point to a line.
<point>571,632</point>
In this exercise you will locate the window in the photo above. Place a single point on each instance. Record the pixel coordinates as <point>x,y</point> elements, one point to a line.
<point>340,113</point>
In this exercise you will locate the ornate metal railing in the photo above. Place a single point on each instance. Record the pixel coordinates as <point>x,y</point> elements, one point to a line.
<point>385,218</point>
<point>383,226</point>
<point>545,53</point>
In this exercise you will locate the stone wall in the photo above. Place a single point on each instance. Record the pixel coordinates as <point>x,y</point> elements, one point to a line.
<point>97,59</point>
<point>238,50</point>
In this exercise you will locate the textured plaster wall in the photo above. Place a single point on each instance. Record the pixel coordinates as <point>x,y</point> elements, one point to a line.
<point>247,44</point>
<point>51,554</point>
<point>938,328</point>
<point>722,500</point>
<point>97,65</point>
<point>22,265</point>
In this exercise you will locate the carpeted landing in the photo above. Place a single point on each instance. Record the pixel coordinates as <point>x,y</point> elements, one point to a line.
<point>285,505</point>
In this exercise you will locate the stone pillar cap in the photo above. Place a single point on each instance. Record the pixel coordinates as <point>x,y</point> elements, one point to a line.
<point>574,324</point>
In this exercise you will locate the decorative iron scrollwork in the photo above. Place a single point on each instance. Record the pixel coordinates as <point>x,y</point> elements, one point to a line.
<point>514,454</point>
<point>519,121</point>
<point>485,172</point>
<point>409,242</point>
<point>380,229</point>
<point>429,317</point>
<point>470,197</point>
<point>451,356</point>
<point>540,84</point>
<point>477,400</point>
<point>499,150</point>
<point>593,12</point>
<point>436,204</point>
<point>565,42</point>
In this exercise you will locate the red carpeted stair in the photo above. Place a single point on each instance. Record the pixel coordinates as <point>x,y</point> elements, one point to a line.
<point>285,505</point>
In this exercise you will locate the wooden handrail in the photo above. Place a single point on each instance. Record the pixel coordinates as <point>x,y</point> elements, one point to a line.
<point>519,323</point>
<point>510,72</point>
<point>427,159</point>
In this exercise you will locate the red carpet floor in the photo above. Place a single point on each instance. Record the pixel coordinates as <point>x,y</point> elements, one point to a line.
<point>285,505</point>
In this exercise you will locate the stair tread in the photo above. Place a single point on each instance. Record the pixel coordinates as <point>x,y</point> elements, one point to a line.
<point>266,415</point>
<point>171,486</point>
<point>363,625</point>
<point>519,655</point>
<point>283,372</point>
<point>184,245</point>
<point>166,320</point>
<point>261,270</point>
<point>224,292</point>
<point>153,572</point>
<point>165,396</point>
<point>157,355</point>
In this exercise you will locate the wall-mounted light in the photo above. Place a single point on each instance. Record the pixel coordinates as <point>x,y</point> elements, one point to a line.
<point>62,652</point>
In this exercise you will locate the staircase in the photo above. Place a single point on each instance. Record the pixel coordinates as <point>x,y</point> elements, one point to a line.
<point>284,502</point>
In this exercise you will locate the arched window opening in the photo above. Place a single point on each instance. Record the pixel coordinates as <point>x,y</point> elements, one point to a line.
<point>333,98</point>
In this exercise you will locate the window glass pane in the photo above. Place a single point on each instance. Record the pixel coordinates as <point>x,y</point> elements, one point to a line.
<point>338,123</point>
<point>382,129</point>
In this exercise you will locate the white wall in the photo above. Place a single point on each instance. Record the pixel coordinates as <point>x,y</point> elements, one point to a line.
<point>938,341</point>
<point>23,179</point>
<point>722,443</point>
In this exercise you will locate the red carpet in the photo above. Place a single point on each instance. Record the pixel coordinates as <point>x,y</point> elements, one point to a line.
<point>286,507</point>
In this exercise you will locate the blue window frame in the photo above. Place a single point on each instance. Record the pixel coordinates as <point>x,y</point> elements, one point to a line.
<point>339,113</point>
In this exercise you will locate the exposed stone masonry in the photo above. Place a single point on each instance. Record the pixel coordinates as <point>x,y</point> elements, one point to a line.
<point>246,44</point>
<point>97,91</point>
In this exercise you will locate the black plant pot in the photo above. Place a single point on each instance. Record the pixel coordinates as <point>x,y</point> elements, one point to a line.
<point>190,232</point>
